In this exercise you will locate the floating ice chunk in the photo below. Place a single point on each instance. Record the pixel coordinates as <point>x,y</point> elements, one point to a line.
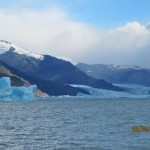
<point>5,88</point>
<point>23,93</point>
<point>9,93</point>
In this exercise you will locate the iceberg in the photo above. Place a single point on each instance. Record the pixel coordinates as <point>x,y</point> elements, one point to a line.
<point>5,88</point>
<point>23,93</point>
<point>11,93</point>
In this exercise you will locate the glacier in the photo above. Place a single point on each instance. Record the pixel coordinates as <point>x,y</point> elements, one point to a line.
<point>131,91</point>
<point>12,93</point>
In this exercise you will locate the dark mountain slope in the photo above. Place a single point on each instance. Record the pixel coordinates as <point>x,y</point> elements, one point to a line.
<point>48,87</point>
<point>15,80</point>
<point>52,69</point>
<point>47,68</point>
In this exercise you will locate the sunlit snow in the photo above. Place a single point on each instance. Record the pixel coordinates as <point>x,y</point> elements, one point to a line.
<point>5,46</point>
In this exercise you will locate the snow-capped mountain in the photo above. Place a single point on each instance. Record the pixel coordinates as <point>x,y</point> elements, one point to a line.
<point>47,68</point>
<point>6,46</point>
<point>126,74</point>
<point>121,67</point>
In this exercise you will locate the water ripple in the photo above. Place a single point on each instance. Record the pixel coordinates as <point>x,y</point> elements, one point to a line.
<point>74,125</point>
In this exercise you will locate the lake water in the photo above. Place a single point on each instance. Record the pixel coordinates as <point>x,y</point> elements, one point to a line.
<point>75,124</point>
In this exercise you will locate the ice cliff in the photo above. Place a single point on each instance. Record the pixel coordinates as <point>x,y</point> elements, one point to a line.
<point>131,91</point>
<point>12,93</point>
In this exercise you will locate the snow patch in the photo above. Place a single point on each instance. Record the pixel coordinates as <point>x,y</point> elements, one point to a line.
<point>67,59</point>
<point>89,71</point>
<point>5,46</point>
<point>124,67</point>
<point>27,53</point>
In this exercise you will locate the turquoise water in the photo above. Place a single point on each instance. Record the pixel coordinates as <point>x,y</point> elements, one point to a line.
<point>67,124</point>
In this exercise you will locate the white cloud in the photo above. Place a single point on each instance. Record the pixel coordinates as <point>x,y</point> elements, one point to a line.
<point>130,37</point>
<point>124,45</point>
<point>47,32</point>
<point>53,32</point>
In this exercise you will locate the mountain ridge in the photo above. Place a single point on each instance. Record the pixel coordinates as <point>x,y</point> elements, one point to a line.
<point>51,69</point>
<point>117,74</point>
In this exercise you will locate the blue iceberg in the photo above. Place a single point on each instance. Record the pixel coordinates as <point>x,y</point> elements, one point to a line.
<point>11,93</point>
<point>5,88</point>
<point>23,93</point>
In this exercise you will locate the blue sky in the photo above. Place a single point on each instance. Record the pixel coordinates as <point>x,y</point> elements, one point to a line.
<point>103,13</point>
<point>90,31</point>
